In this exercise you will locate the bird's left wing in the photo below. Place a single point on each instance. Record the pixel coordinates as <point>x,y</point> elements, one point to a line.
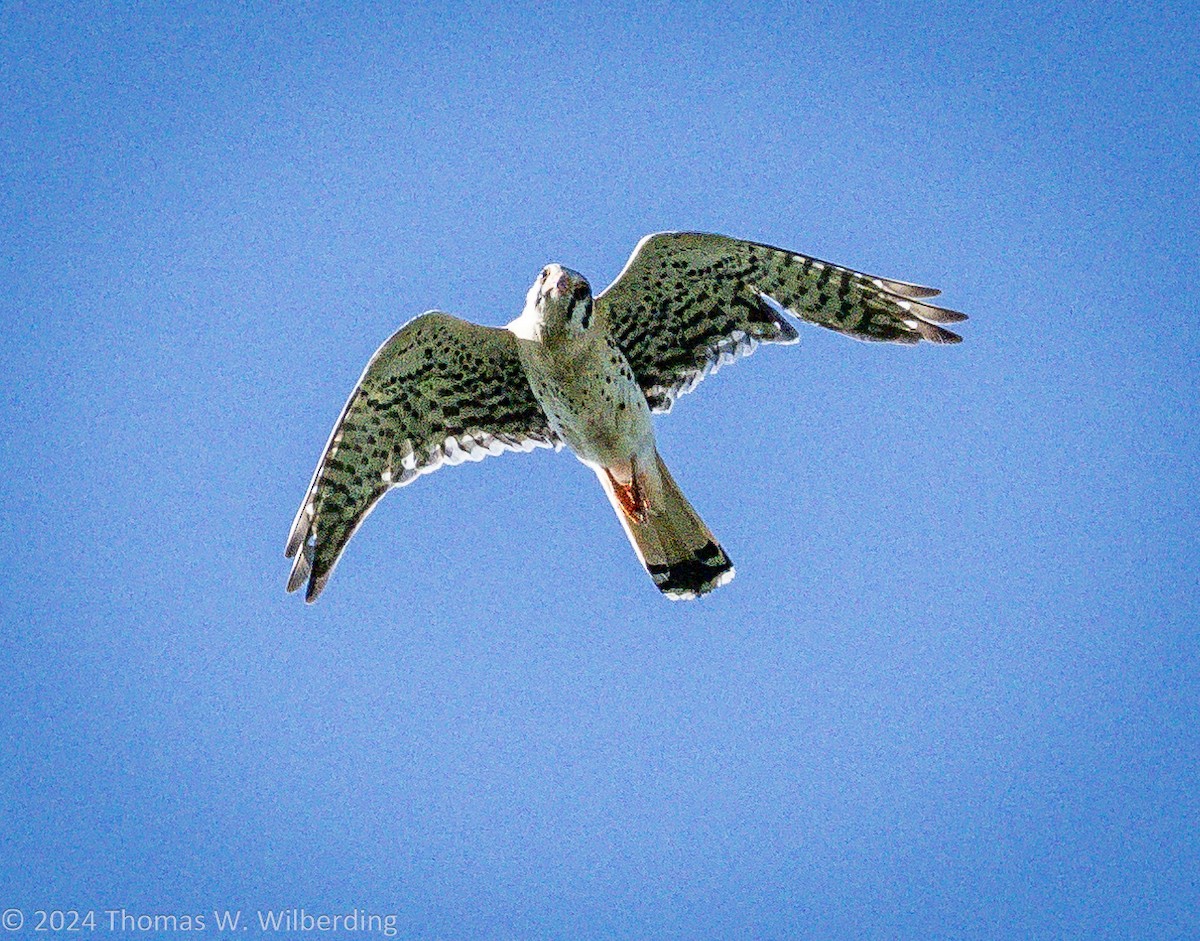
<point>440,391</point>
<point>687,303</point>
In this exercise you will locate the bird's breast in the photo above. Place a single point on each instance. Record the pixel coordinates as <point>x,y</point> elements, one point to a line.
<point>592,399</point>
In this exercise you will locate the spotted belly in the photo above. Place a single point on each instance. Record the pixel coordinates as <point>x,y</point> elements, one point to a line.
<point>596,406</point>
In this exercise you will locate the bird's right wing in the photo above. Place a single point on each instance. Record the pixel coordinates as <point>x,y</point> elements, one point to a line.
<point>688,302</point>
<point>440,391</point>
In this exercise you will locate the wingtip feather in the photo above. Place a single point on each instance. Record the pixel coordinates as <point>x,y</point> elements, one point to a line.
<point>300,569</point>
<point>935,334</point>
<point>907,289</point>
<point>942,314</point>
<point>315,586</point>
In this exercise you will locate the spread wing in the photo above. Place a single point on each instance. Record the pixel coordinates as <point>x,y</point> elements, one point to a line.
<point>440,391</point>
<point>687,303</point>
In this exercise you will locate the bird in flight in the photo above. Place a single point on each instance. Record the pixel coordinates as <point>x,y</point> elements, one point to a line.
<point>589,372</point>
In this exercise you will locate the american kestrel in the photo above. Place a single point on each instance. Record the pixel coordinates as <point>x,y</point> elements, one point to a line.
<point>589,372</point>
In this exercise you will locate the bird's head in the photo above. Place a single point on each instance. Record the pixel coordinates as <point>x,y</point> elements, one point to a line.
<point>560,304</point>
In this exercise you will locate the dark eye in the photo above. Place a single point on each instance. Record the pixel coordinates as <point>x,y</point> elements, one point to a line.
<point>562,283</point>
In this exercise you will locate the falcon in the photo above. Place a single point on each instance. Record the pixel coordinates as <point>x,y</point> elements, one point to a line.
<point>589,372</point>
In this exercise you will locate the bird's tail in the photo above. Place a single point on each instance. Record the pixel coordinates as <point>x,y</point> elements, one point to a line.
<point>669,537</point>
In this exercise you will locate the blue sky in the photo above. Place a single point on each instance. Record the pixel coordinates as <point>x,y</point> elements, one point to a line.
<point>952,692</point>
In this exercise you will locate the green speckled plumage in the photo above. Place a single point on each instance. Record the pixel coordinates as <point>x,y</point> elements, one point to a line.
<point>688,302</point>
<point>443,390</point>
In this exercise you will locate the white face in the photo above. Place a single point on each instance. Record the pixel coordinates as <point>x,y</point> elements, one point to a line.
<point>562,302</point>
<point>554,281</point>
